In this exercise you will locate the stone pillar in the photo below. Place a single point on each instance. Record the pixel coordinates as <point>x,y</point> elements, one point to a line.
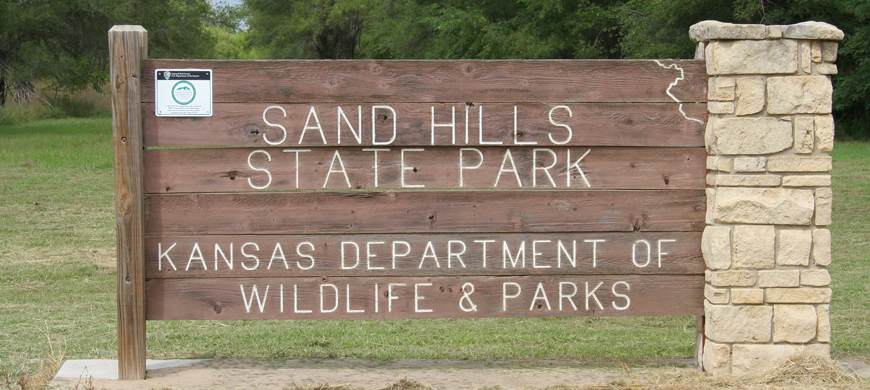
<point>766,244</point>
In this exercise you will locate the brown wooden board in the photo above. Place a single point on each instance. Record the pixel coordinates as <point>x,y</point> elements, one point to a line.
<point>127,46</point>
<point>591,124</point>
<point>432,297</point>
<point>279,169</point>
<point>563,81</point>
<point>424,254</point>
<point>425,212</point>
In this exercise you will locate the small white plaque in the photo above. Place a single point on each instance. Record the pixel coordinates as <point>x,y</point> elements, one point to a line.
<point>183,92</point>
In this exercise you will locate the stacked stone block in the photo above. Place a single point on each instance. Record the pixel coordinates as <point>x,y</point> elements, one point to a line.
<point>766,244</point>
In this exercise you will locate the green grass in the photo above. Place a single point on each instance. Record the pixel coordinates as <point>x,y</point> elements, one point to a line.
<point>850,306</point>
<point>57,251</point>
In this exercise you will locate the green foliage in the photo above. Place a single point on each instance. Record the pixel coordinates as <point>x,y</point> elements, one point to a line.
<point>13,114</point>
<point>430,29</point>
<point>658,29</point>
<point>310,28</point>
<point>52,41</point>
<point>61,45</point>
<point>231,45</point>
<point>176,28</point>
<point>492,29</point>
<point>521,29</point>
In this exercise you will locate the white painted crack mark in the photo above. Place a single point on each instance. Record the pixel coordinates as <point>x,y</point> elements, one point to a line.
<point>671,85</point>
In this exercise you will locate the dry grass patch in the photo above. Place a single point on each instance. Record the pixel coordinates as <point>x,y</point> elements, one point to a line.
<point>401,384</point>
<point>805,372</point>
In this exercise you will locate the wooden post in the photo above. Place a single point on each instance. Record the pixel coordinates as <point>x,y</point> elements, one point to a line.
<point>127,47</point>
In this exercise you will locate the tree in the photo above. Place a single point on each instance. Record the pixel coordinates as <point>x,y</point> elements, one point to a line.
<point>435,29</point>
<point>62,43</point>
<point>327,29</point>
<point>658,29</point>
<point>489,29</point>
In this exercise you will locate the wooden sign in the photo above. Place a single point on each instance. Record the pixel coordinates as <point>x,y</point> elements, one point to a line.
<point>424,189</point>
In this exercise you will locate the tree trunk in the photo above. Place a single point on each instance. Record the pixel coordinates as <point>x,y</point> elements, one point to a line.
<point>2,90</point>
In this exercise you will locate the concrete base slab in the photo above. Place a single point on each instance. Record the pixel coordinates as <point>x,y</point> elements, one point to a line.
<point>360,373</point>
<point>858,367</point>
<point>108,369</point>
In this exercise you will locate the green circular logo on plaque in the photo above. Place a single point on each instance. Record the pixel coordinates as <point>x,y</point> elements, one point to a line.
<point>183,92</point>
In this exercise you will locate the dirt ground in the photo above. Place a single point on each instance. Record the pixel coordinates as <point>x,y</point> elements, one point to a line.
<point>357,373</point>
<point>345,374</point>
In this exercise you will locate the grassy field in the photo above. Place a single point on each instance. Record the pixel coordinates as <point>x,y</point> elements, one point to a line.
<point>57,284</point>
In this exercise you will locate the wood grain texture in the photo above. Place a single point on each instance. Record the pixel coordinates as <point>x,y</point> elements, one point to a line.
<point>535,296</point>
<point>425,212</point>
<point>592,124</point>
<point>128,45</point>
<point>225,170</point>
<point>423,255</point>
<point>369,81</point>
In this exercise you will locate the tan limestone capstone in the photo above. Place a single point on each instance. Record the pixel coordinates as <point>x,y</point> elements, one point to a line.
<point>716,247</point>
<point>815,277</point>
<point>806,57</point>
<point>720,107</point>
<point>779,278</point>
<point>709,30</point>
<point>775,31</point>
<point>712,29</point>
<point>813,30</point>
<point>803,135</point>
<point>746,180</point>
<point>750,95</point>
<point>750,164</point>
<point>781,206</point>
<point>747,296</point>
<point>751,57</point>
<point>799,164</point>
<point>718,296</point>
<point>822,247</point>
<point>794,247</point>
<point>732,136</point>
<point>829,51</point>
<point>732,278</point>
<point>799,95</point>
<point>708,276</point>
<point>798,295</point>
<point>806,181</point>
<point>738,324</point>
<point>794,323</point>
<point>753,246</point>
<point>824,125</point>
<point>817,51</point>
<point>754,358</point>
<point>824,198</point>
<point>823,334</point>
<point>827,69</point>
<point>721,89</point>
<point>717,358</point>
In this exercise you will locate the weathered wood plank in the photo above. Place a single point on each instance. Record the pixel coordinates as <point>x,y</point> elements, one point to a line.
<point>128,45</point>
<point>592,124</point>
<point>435,297</point>
<point>565,81</point>
<point>424,255</point>
<point>276,169</point>
<point>425,212</point>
